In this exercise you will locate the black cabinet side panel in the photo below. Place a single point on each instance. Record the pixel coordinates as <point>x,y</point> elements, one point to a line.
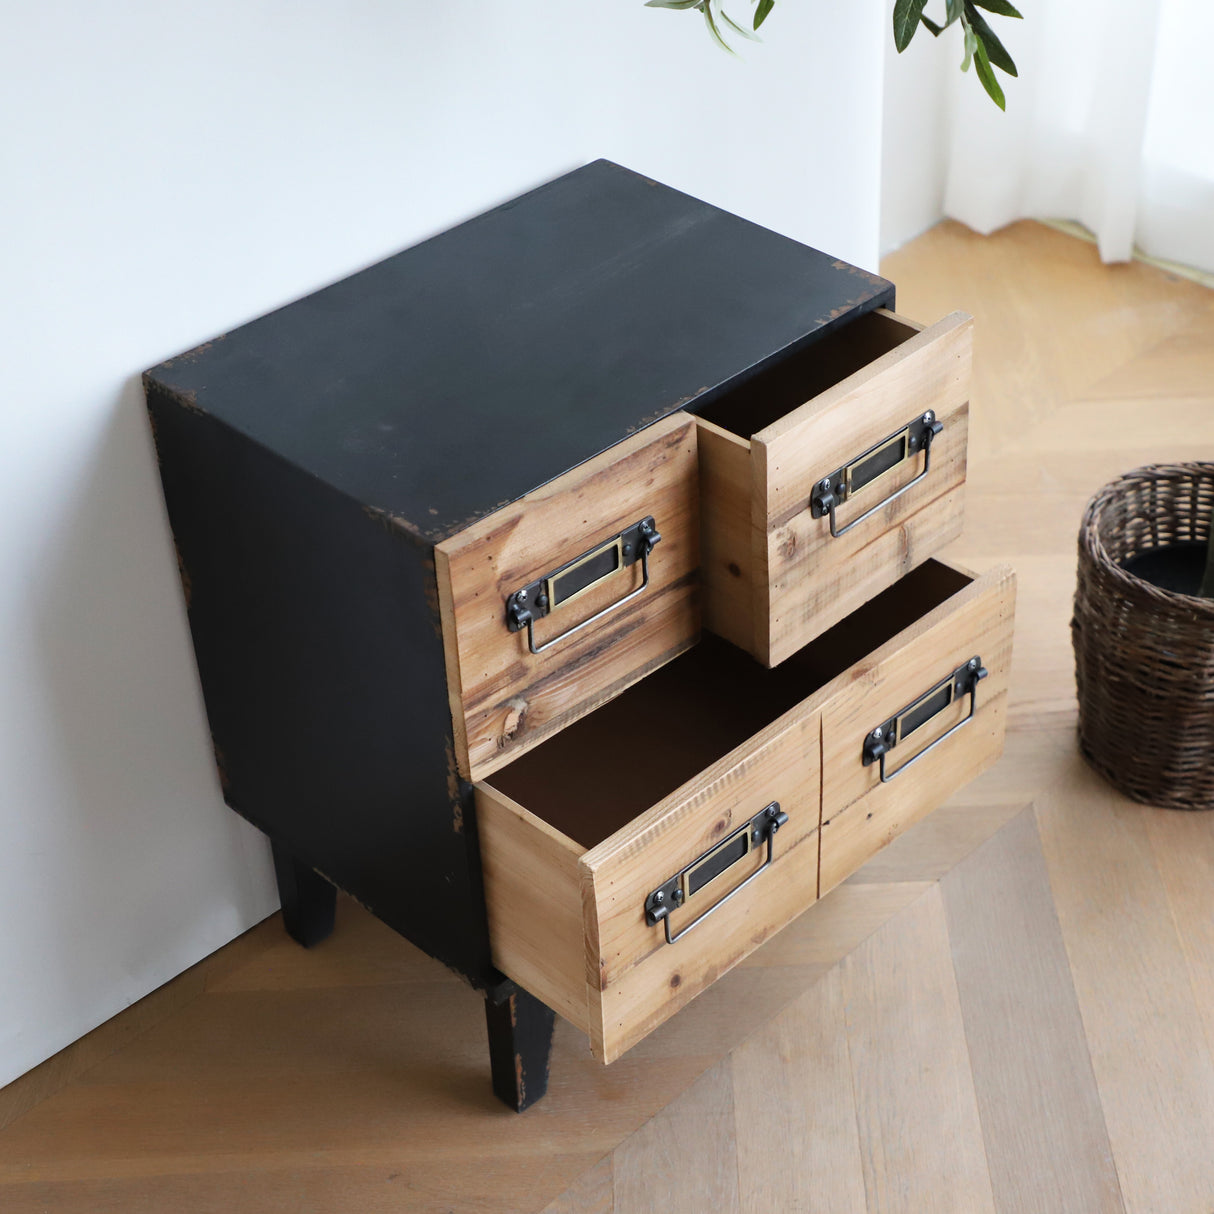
<point>316,631</point>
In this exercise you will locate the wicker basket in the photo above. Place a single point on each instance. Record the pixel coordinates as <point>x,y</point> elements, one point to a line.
<point>1144,657</point>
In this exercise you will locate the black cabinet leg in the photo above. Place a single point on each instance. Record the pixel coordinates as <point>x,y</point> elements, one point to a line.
<point>520,1043</point>
<point>309,902</point>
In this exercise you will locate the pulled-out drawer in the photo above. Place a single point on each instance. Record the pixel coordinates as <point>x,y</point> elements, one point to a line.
<point>560,600</point>
<point>673,789</point>
<point>642,852</point>
<point>831,474</point>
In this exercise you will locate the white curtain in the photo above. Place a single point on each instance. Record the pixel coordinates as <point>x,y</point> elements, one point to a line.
<point>1111,123</point>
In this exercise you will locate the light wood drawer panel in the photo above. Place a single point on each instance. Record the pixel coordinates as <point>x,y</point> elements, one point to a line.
<point>775,577</point>
<point>860,813</point>
<point>504,698</point>
<point>567,885</point>
<point>642,980</point>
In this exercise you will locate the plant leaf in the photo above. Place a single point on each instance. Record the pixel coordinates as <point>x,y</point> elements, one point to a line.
<point>765,7</point>
<point>733,25</point>
<point>906,21</point>
<point>995,49</point>
<point>952,10</point>
<point>998,6</point>
<point>932,28</point>
<point>713,28</point>
<point>982,65</point>
<point>680,4</point>
<point>971,45</point>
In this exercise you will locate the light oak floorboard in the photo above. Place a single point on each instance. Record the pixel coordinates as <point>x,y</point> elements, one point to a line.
<point>1046,1142</point>
<point>1182,845</point>
<point>932,847</point>
<point>592,1193</point>
<point>920,1137</point>
<point>683,1161</point>
<point>1145,1034</point>
<point>794,1112</point>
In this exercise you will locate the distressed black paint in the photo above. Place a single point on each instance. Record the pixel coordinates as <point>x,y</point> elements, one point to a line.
<point>309,902</point>
<point>455,377</point>
<point>520,1046</point>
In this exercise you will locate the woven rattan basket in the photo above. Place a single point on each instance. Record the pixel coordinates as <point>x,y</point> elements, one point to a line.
<point>1144,656</point>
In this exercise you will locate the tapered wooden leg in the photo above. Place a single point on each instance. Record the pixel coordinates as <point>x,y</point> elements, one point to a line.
<point>520,1044</point>
<point>309,902</point>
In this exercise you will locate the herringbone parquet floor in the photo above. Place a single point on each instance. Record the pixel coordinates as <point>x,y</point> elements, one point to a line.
<point>1009,1009</point>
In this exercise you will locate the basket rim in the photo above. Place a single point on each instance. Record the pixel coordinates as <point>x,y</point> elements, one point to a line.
<point>1091,543</point>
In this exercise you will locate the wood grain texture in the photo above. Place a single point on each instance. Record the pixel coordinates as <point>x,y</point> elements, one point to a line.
<point>592,1193</point>
<point>920,1137</point>
<point>859,813</point>
<point>810,587</point>
<point>933,846</point>
<point>774,576</point>
<point>727,536</point>
<point>683,1162</point>
<point>840,922</point>
<point>1182,846</point>
<point>636,979</point>
<point>798,1145</point>
<point>931,369</point>
<point>808,578</point>
<point>533,901</point>
<point>1145,1032</point>
<point>1037,1097</point>
<point>504,699</point>
<point>577,936</point>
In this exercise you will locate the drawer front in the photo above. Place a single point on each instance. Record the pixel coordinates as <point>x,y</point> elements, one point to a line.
<point>947,724</point>
<point>896,485</point>
<point>642,971</point>
<point>552,605</point>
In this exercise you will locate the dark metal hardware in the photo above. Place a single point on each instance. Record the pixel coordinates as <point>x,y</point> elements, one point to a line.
<point>833,490</point>
<point>688,882</point>
<point>881,740</point>
<point>574,578</point>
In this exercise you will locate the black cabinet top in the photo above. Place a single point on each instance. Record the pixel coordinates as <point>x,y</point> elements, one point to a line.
<point>458,375</point>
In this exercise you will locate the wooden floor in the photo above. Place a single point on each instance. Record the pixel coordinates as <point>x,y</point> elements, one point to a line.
<point>1011,1008</point>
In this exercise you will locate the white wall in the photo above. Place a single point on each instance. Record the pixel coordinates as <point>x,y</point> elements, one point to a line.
<point>915,134</point>
<point>170,170</point>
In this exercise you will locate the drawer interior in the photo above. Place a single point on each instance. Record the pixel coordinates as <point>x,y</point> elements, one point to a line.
<point>599,773</point>
<point>783,387</point>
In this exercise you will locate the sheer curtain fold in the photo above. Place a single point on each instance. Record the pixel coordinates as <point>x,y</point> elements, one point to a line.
<point>1111,122</point>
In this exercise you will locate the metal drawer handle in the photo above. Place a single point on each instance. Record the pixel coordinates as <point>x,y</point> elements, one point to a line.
<point>688,882</point>
<point>574,578</point>
<point>880,741</point>
<point>831,491</point>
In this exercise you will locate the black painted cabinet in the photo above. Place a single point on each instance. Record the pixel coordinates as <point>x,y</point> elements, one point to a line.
<point>314,458</point>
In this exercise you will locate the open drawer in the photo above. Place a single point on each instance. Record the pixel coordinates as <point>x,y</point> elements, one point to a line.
<point>829,475</point>
<point>666,790</point>
<point>670,789</point>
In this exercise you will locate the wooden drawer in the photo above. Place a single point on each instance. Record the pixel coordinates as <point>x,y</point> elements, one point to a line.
<point>576,541</point>
<point>577,835</point>
<point>851,407</point>
<point>922,691</point>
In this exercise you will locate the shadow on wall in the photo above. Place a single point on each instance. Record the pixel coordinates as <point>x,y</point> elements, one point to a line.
<point>149,871</point>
